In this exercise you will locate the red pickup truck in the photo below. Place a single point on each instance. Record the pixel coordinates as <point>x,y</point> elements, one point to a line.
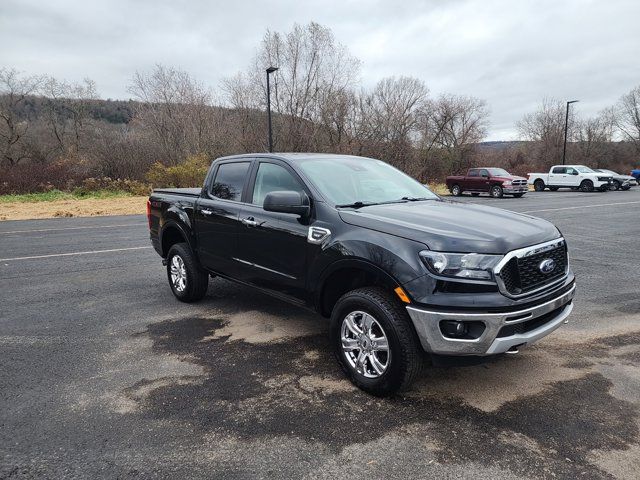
<point>494,181</point>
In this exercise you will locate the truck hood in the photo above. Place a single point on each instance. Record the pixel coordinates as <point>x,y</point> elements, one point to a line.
<point>510,178</point>
<point>449,226</point>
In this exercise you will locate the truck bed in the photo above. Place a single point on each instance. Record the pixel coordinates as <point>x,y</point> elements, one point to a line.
<point>185,192</point>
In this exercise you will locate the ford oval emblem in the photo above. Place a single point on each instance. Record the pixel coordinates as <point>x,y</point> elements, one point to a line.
<point>547,266</point>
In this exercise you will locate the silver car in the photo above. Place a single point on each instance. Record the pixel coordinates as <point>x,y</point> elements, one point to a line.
<point>620,182</point>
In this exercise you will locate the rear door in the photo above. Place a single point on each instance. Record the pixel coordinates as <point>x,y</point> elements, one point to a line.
<point>272,247</point>
<point>557,176</point>
<point>473,179</point>
<point>217,215</point>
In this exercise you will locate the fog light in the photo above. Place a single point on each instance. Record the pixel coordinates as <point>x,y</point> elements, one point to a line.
<point>453,328</point>
<point>468,330</point>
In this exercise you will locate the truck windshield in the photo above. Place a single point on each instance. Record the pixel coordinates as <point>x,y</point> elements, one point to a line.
<point>347,181</point>
<point>498,172</point>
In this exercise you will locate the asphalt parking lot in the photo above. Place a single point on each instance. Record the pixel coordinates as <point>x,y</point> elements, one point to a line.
<point>103,374</point>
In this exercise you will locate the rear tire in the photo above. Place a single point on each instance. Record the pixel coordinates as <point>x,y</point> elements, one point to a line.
<point>187,279</point>
<point>496,191</point>
<point>364,360</point>
<point>616,185</point>
<point>586,186</point>
<point>456,190</point>
<point>538,185</point>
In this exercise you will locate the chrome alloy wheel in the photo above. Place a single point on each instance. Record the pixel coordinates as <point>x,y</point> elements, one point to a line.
<point>365,344</point>
<point>178,273</point>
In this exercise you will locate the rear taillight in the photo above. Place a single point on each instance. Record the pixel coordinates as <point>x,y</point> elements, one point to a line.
<point>149,213</point>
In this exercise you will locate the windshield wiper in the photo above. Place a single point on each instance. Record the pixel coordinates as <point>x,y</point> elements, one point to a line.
<point>356,204</point>
<point>415,199</point>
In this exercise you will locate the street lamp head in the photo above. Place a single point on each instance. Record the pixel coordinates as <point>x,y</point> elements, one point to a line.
<point>573,101</point>
<point>271,69</point>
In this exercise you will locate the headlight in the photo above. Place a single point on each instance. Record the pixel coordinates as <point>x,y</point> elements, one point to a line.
<point>604,179</point>
<point>472,266</point>
<point>507,182</point>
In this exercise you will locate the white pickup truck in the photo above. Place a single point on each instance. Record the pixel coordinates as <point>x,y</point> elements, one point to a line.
<point>571,176</point>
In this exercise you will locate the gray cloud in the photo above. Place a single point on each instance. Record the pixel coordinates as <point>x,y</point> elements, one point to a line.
<point>512,54</point>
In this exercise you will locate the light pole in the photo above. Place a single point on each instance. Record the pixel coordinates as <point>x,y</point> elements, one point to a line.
<point>566,123</point>
<point>270,70</point>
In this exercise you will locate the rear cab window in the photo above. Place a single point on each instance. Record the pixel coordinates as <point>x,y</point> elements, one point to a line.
<point>559,170</point>
<point>229,180</point>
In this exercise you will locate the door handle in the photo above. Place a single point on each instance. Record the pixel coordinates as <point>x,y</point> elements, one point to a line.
<point>249,222</point>
<point>204,211</point>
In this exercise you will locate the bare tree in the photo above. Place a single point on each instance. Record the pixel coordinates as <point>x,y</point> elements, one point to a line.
<point>545,128</point>
<point>593,140</point>
<point>451,126</point>
<point>14,89</point>
<point>627,117</point>
<point>389,116</point>
<point>313,71</point>
<point>66,106</point>
<point>177,109</point>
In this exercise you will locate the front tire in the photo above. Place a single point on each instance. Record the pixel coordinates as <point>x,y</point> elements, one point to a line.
<point>496,191</point>
<point>586,186</point>
<point>616,185</point>
<point>187,279</point>
<point>374,341</point>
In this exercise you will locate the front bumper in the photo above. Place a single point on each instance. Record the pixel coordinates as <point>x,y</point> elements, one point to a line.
<point>515,189</point>
<point>532,323</point>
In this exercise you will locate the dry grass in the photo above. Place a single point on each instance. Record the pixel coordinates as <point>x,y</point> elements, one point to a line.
<point>439,188</point>
<point>89,207</point>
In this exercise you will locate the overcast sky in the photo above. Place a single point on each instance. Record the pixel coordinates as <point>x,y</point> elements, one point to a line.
<point>510,53</point>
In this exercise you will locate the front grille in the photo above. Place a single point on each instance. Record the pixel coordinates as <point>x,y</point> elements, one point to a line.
<point>522,275</point>
<point>519,182</point>
<point>529,325</point>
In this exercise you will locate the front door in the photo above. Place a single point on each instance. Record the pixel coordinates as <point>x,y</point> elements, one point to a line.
<point>272,247</point>
<point>217,216</point>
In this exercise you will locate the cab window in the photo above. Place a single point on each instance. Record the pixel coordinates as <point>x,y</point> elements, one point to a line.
<point>229,181</point>
<point>559,170</point>
<point>484,173</point>
<point>474,173</point>
<point>273,178</point>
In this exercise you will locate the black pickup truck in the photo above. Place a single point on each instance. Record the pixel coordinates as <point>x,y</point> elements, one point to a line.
<point>399,270</point>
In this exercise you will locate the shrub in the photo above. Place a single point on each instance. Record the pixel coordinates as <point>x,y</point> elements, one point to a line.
<point>91,184</point>
<point>189,173</point>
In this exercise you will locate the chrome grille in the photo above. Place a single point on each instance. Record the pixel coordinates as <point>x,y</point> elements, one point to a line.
<point>520,274</point>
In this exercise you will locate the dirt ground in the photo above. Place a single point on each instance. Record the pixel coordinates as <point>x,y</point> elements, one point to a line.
<point>89,207</point>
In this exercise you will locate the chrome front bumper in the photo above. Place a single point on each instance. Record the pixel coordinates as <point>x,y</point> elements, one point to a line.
<point>427,325</point>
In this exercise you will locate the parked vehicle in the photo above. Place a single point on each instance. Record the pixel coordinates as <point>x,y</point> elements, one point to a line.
<point>636,174</point>
<point>571,176</point>
<point>494,181</point>
<point>398,270</point>
<point>620,182</point>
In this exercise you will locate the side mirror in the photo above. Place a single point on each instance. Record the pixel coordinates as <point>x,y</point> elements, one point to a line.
<point>287,201</point>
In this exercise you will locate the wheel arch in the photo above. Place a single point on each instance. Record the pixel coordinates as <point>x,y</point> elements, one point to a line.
<point>171,233</point>
<point>345,275</point>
